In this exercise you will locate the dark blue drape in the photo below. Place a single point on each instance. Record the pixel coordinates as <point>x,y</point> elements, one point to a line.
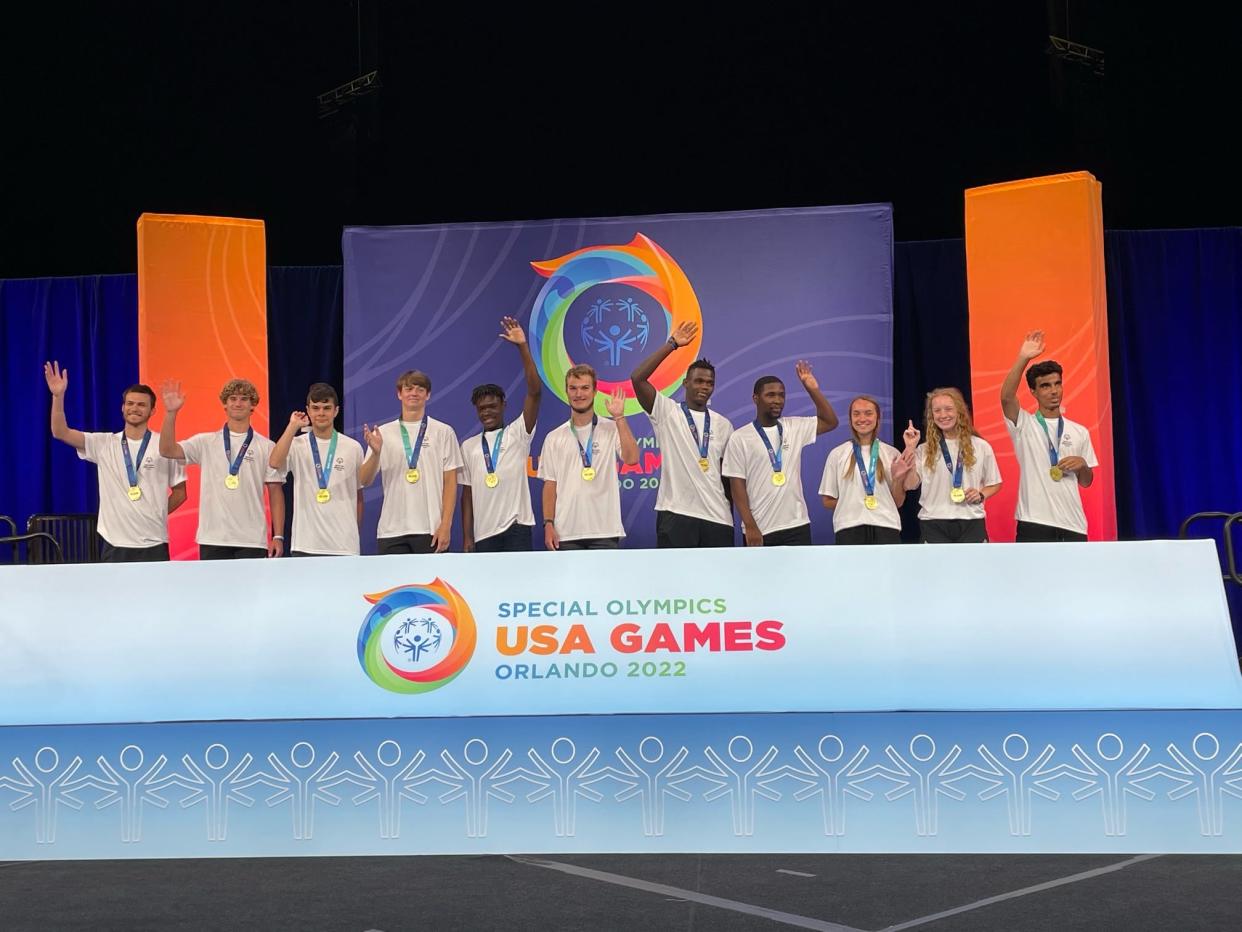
<point>89,325</point>
<point>931,337</point>
<point>1175,347</point>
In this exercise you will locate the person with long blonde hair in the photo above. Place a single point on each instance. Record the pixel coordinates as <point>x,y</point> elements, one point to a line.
<point>956,469</point>
<point>864,481</point>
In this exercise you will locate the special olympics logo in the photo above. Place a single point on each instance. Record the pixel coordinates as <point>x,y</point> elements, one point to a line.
<point>416,638</point>
<point>633,289</point>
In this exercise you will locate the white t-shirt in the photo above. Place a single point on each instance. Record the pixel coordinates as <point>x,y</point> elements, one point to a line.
<point>497,509</point>
<point>584,510</point>
<point>685,489</point>
<point>850,492</point>
<point>1040,499</point>
<point>775,508</point>
<point>936,481</point>
<point>330,528</point>
<point>123,523</point>
<point>415,507</point>
<point>231,517</point>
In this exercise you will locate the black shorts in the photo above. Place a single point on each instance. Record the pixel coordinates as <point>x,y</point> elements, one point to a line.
<point>1029,532</point>
<point>799,536</point>
<point>156,554</point>
<point>406,543</point>
<point>516,538</point>
<point>867,534</point>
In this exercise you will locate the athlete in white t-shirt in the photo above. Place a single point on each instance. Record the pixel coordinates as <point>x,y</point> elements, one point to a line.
<point>496,512</point>
<point>864,480</point>
<point>578,466</point>
<point>234,466</point>
<point>138,488</point>
<point>956,470</point>
<point>692,507</point>
<point>327,496</point>
<point>1055,455</point>
<point>763,463</point>
<point>418,457</point>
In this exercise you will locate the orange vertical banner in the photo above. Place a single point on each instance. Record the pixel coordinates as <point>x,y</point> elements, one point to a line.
<point>202,318</point>
<point>1035,261</point>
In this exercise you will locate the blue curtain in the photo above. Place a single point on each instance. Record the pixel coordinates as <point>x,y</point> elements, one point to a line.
<point>89,325</point>
<point>1175,347</point>
<point>931,337</point>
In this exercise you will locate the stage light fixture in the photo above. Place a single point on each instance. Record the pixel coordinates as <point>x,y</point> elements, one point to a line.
<point>1076,53</point>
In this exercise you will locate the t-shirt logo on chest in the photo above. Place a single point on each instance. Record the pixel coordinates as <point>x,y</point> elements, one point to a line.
<point>339,465</point>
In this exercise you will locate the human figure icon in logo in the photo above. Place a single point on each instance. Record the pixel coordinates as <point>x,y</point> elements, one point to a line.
<point>122,785</point>
<point>564,779</point>
<point>1019,786</point>
<point>615,327</point>
<point>1209,787</point>
<point>476,778</point>
<point>740,783</point>
<point>214,784</point>
<point>389,780</point>
<point>925,781</point>
<point>1113,781</point>
<point>653,779</point>
<point>826,777</point>
<point>417,636</point>
<point>45,790</point>
<point>301,787</point>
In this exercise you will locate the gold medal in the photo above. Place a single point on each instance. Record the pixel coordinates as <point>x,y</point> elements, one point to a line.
<point>588,473</point>
<point>492,480</point>
<point>323,496</point>
<point>778,478</point>
<point>134,493</point>
<point>871,502</point>
<point>411,475</point>
<point>704,464</point>
<point>958,495</point>
<point>231,481</point>
<point>1057,473</point>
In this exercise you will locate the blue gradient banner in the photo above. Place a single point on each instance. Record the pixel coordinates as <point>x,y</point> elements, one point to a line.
<point>768,287</point>
<point>1127,625</point>
<point>849,782</point>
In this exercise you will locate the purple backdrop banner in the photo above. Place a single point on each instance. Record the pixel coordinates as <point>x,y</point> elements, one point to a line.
<point>768,287</point>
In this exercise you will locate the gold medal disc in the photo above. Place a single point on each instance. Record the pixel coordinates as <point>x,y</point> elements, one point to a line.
<point>411,475</point>
<point>588,473</point>
<point>323,496</point>
<point>778,478</point>
<point>492,480</point>
<point>958,495</point>
<point>1057,473</point>
<point>871,502</point>
<point>134,493</point>
<point>704,464</point>
<point>231,481</point>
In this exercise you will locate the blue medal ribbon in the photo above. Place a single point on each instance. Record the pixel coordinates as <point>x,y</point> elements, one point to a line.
<point>586,454</point>
<point>868,475</point>
<point>694,431</point>
<point>1053,448</point>
<point>323,473</point>
<point>487,454</point>
<point>235,464</point>
<point>956,470</point>
<point>411,455</point>
<point>774,456</point>
<point>130,471</point>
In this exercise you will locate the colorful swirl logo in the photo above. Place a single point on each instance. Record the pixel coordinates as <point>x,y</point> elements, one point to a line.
<point>615,323</point>
<point>416,638</point>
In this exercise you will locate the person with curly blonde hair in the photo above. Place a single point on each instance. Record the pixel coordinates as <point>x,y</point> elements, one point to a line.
<point>956,469</point>
<point>864,481</point>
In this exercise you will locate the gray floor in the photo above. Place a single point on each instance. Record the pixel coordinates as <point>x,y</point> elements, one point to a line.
<point>837,893</point>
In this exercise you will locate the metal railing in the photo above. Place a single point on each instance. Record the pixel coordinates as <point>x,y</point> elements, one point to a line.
<point>1230,519</point>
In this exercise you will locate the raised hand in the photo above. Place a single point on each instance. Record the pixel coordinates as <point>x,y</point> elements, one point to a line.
<point>299,419</point>
<point>903,464</point>
<point>684,332</point>
<point>616,402</point>
<point>1033,345</point>
<point>173,396</point>
<point>512,331</point>
<point>57,378</point>
<point>911,436</point>
<point>372,437</point>
<point>805,376</point>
